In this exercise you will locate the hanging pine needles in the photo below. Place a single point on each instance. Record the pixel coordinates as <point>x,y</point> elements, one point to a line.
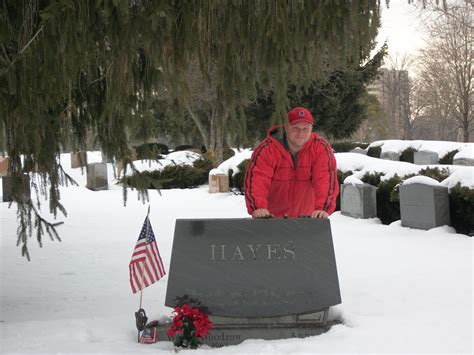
<point>69,68</point>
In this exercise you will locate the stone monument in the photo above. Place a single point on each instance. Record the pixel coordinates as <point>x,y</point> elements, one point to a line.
<point>78,159</point>
<point>218,183</point>
<point>395,156</point>
<point>7,187</point>
<point>97,176</point>
<point>425,158</point>
<point>258,278</point>
<point>424,206</point>
<point>3,166</point>
<point>359,201</point>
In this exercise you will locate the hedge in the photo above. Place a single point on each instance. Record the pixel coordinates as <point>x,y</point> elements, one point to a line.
<point>374,152</point>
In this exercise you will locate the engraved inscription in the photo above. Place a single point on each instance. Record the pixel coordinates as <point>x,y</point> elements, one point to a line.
<point>286,251</point>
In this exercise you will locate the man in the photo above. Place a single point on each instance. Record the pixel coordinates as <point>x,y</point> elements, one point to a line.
<point>292,172</point>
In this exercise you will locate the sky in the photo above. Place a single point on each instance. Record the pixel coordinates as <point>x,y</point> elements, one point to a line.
<point>403,290</point>
<point>401,28</point>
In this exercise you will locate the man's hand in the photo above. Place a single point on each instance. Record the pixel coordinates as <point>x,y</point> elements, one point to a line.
<point>261,213</point>
<point>319,214</point>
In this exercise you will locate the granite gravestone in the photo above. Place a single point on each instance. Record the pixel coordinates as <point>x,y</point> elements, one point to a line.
<point>463,161</point>
<point>7,188</point>
<point>358,201</point>
<point>258,278</point>
<point>395,156</point>
<point>3,166</point>
<point>424,206</point>
<point>358,151</point>
<point>78,159</point>
<point>218,183</point>
<point>97,176</point>
<point>425,158</point>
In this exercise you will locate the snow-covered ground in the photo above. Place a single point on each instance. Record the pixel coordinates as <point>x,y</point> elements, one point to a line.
<point>403,290</point>
<point>466,150</point>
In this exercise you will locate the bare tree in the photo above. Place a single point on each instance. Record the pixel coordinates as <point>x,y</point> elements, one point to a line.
<point>446,67</point>
<point>395,96</point>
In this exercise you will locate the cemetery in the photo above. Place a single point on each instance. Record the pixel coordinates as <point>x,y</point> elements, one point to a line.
<point>236,177</point>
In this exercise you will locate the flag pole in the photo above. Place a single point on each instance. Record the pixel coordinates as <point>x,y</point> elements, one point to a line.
<point>141,273</point>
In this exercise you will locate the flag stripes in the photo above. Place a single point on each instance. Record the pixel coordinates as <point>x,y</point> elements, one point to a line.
<point>146,266</point>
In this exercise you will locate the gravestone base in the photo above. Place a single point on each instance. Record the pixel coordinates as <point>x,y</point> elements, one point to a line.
<point>234,330</point>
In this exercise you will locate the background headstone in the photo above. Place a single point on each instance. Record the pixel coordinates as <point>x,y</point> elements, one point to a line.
<point>218,183</point>
<point>395,156</point>
<point>425,158</point>
<point>97,176</point>
<point>3,166</point>
<point>463,161</point>
<point>78,159</point>
<point>359,151</point>
<point>424,206</point>
<point>358,201</point>
<point>7,187</point>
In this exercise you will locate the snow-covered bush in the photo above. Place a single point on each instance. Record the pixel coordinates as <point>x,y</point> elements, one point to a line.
<point>408,155</point>
<point>448,158</point>
<point>461,208</point>
<point>374,151</point>
<point>236,181</point>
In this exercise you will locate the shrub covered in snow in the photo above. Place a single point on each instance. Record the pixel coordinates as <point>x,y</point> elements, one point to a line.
<point>374,152</point>
<point>461,209</point>
<point>448,158</point>
<point>408,155</point>
<point>236,181</point>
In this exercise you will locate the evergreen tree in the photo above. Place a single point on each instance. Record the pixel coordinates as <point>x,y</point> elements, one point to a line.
<point>68,67</point>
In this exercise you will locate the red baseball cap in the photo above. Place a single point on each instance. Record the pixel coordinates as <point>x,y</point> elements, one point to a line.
<point>299,114</point>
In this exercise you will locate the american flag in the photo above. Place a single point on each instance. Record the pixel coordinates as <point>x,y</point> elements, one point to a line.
<point>148,336</point>
<point>146,266</point>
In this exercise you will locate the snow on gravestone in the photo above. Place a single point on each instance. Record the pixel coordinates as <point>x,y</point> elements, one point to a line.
<point>97,176</point>
<point>358,200</point>
<point>425,158</point>
<point>358,151</point>
<point>424,204</point>
<point>258,278</point>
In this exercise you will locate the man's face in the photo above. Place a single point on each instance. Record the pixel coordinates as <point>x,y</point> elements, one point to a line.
<point>298,134</point>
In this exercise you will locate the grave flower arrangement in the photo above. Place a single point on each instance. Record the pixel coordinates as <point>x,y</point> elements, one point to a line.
<point>189,326</point>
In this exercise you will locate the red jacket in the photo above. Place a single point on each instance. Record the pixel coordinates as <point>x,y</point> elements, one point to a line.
<point>273,182</point>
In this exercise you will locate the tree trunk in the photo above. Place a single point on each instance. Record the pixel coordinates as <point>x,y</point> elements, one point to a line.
<point>204,134</point>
